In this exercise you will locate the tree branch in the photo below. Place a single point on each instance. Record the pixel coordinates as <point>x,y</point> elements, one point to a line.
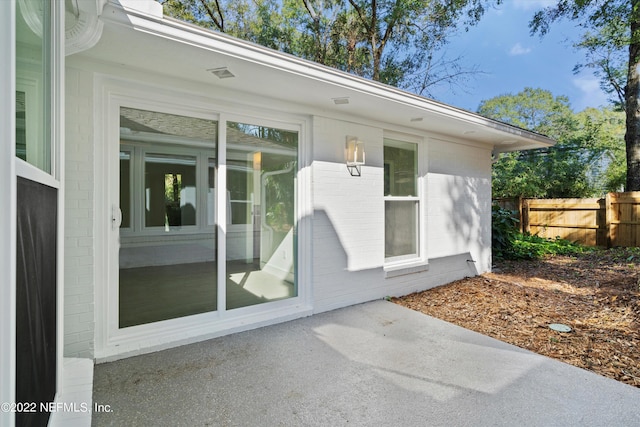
<point>218,22</point>
<point>614,83</point>
<point>311,10</point>
<point>361,15</point>
<point>390,26</point>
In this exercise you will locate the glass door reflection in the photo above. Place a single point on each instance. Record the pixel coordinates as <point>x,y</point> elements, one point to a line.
<point>261,229</point>
<point>167,261</point>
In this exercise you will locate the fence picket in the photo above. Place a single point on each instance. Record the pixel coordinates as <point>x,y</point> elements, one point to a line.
<point>611,221</point>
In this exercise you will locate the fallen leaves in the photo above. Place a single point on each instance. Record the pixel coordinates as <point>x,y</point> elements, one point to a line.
<point>596,294</point>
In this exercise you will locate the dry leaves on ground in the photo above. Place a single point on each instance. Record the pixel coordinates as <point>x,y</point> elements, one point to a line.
<point>597,294</point>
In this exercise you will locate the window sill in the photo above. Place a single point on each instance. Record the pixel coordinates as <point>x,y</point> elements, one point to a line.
<point>394,270</point>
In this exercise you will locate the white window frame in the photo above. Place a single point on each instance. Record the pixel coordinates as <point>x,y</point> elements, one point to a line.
<point>8,213</point>
<point>406,264</point>
<point>12,167</point>
<point>138,152</point>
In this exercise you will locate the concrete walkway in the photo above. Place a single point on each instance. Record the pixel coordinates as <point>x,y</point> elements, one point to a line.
<point>375,364</point>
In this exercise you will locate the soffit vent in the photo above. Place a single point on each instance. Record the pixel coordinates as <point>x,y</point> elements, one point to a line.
<point>340,101</point>
<point>221,72</point>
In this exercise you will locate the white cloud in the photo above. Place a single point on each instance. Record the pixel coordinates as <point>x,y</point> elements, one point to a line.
<point>592,95</point>
<point>518,49</point>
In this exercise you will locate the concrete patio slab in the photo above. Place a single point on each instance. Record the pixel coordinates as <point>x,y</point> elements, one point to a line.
<point>375,364</point>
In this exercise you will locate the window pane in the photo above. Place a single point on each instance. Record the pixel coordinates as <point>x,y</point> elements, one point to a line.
<point>33,94</point>
<point>21,126</point>
<point>240,188</point>
<point>170,190</point>
<point>261,171</point>
<point>400,168</point>
<point>401,229</point>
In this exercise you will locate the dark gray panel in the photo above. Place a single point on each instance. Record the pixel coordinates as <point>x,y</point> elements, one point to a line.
<point>35,299</point>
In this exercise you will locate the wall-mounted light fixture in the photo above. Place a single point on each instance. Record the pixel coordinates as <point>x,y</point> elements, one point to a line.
<point>354,153</point>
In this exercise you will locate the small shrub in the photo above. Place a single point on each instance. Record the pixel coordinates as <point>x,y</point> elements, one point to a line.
<point>503,230</point>
<point>508,243</point>
<point>527,246</point>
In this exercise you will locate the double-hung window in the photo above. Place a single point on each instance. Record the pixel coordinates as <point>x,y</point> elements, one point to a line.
<point>402,202</point>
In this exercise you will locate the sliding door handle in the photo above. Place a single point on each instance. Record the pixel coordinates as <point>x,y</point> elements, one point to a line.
<point>116,217</point>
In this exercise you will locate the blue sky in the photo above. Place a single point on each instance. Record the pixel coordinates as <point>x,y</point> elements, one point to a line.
<point>511,59</point>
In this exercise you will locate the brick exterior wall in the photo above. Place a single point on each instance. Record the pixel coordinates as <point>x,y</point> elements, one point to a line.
<point>79,245</point>
<point>348,224</point>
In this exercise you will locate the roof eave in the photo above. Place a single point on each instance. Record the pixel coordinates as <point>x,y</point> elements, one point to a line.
<point>148,18</point>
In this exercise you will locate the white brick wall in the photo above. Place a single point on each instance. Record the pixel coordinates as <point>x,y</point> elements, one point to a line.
<point>79,249</point>
<point>350,208</point>
<point>348,222</point>
<point>459,202</point>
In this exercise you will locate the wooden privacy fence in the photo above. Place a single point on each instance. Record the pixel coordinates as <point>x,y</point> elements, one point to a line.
<point>611,221</point>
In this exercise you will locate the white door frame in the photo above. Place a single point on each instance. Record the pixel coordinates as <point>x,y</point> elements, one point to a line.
<point>110,341</point>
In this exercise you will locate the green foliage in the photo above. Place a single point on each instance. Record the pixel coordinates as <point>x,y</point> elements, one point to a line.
<point>611,42</point>
<point>605,40</point>
<point>503,231</point>
<point>536,110</point>
<point>508,243</point>
<point>606,54</point>
<point>528,246</point>
<point>603,131</point>
<point>589,143</point>
<point>392,41</point>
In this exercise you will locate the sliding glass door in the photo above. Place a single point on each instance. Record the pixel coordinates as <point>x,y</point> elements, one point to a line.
<point>167,260</point>
<point>261,231</point>
<point>168,255</point>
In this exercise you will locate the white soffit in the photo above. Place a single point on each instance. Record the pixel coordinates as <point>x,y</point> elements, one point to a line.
<point>166,46</point>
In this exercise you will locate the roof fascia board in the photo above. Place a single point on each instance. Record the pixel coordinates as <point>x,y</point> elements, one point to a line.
<point>511,148</point>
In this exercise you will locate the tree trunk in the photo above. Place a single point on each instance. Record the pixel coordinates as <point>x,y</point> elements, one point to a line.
<point>632,136</point>
<point>377,53</point>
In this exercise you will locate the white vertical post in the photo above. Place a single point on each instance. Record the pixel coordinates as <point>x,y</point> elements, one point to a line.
<point>8,211</point>
<point>57,166</point>
<point>221,213</point>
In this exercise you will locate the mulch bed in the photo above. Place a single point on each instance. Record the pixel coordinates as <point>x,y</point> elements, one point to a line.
<point>597,294</point>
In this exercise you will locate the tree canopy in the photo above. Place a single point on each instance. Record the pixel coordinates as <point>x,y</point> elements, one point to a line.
<point>612,44</point>
<point>397,42</point>
<point>588,143</point>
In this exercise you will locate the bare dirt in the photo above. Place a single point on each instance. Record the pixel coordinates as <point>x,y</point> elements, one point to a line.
<point>596,294</point>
